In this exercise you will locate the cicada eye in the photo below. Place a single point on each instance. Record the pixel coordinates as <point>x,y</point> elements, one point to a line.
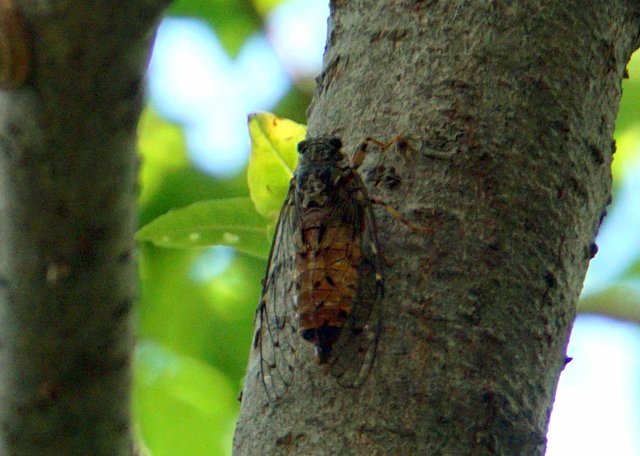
<point>336,143</point>
<point>302,147</point>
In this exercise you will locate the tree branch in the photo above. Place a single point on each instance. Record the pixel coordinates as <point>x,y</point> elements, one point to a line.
<point>68,172</point>
<point>524,97</point>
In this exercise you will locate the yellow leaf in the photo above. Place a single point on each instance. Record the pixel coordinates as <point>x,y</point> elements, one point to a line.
<point>273,159</point>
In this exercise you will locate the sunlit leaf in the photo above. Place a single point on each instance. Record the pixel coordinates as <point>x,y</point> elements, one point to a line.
<point>182,405</point>
<point>273,159</point>
<point>231,221</point>
<point>232,20</point>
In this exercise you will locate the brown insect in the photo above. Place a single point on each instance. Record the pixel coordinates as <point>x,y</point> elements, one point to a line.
<point>324,276</point>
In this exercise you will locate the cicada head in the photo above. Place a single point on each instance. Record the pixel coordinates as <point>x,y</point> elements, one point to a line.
<point>320,169</point>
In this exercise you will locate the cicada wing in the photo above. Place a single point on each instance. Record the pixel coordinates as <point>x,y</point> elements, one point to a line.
<point>276,319</point>
<point>355,349</point>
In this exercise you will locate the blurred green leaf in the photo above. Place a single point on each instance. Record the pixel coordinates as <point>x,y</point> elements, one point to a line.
<point>162,147</point>
<point>627,133</point>
<point>232,221</point>
<point>264,7</point>
<point>208,319</point>
<point>273,158</point>
<point>182,406</point>
<point>627,156</point>
<point>295,103</point>
<point>232,20</point>
<point>233,298</point>
<point>620,301</point>
<point>173,308</point>
<point>168,179</point>
<point>629,111</point>
<point>632,272</point>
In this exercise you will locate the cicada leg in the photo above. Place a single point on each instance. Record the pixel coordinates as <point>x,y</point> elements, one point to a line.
<point>402,143</point>
<point>398,216</point>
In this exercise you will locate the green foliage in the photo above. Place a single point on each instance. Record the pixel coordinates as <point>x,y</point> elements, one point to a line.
<point>629,113</point>
<point>621,298</point>
<point>208,318</point>
<point>232,221</point>
<point>187,405</point>
<point>194,327</point>
<point>620,301</point>
<point>195,331</point>
<point>627,133</point>
<point>295,103</point>
<point>167,177</point>
<point>627,156</point>
<point>232,20</point>
<point>266,6</point>
<point>237,222</point>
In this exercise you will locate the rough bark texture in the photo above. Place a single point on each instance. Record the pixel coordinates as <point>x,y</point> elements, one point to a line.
<point>523,96</point>
<point>67,211</point>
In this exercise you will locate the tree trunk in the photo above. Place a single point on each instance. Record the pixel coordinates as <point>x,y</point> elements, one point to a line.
<point>68,172</point>
<point>511,108</point>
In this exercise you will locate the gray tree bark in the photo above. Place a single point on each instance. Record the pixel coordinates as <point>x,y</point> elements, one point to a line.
<point>522,98</point>
<point>68,172</point>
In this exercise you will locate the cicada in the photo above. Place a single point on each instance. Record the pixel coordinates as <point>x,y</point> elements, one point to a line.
<point>324,279</point>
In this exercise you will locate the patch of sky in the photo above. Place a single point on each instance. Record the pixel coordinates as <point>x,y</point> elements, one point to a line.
<point>597,402</point>
<point>213,262</point>
<point>195,83</point>
<point>297,31</point>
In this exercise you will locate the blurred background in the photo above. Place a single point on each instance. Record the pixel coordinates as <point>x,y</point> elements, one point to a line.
<point>214,62</point>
